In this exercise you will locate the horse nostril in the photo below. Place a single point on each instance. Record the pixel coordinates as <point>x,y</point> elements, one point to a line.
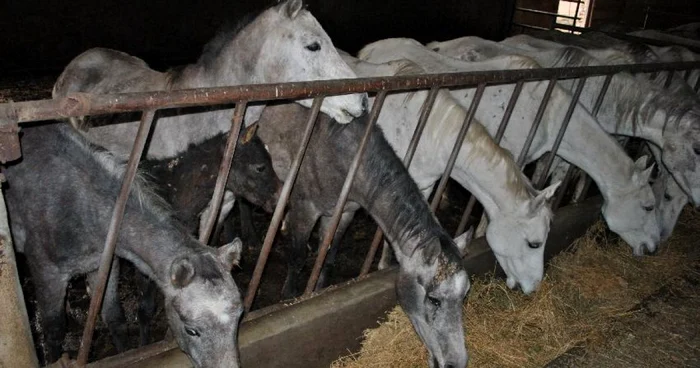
<point>450,366</point>
<point>435,362</point>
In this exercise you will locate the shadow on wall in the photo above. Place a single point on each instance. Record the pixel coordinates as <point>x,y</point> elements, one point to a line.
<point>42,38</point>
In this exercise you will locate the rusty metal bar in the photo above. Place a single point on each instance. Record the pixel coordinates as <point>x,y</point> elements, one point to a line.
<point>560,135</point>
<point>562,188</point>
<point>80,104</point>
<point>408,157</point>
<point>281,203</point>
<point>111,241</point>
<point>345,191</point>
<point>465,216</point>
<point>596,108</point>
<point>536,122</point>
<point>458,145</point>
<point>17,347</point>
<point>224,169</point>
<point>497,138</point>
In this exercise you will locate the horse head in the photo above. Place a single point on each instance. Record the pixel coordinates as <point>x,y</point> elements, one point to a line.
<point>294,47</point>
<point>631,213</point>
<point>518,240</point>
<point>431,288</point>
<point>670,200</point>
<point>681,154</point>
<point>204,307</point>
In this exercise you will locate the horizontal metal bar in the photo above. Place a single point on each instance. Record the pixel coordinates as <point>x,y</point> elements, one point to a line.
<point>542,12</point>
<point>80,104</point>
<point>538,28</point>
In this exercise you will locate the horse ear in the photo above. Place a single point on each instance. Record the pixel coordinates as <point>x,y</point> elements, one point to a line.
<point>464,240</point>
<point>643,177</point>
<point>293,7</point>
<point>181,272</point>
<point>641,163</point>
<point>249,133</point>
<point>545,195</point>
<point>230,254</point>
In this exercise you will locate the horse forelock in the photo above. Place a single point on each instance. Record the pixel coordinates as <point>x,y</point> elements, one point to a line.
<point>142,191</point>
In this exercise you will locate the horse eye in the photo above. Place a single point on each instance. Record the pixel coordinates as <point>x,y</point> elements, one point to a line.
<point>192,332</point>
<point>313,47</point>
<point>434,301</point>
<point>534,245</point>
<point>667,196</point>
<point>648,208</point>
<point>696,150</point>
<point>259,168</point>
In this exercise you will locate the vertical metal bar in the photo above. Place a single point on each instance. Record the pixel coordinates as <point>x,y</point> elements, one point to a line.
<point>697,84</point>
<point>562,187</point>
<point>497,138</point>
<point>112,233</point>
<point>345,191</point>
<point>281,203</point>
<point>669,78</point>
<point>594,112</point>
<point>465,216</point>
<point>17,347</point>
<point>686,74</point>
<point>536,123</point>
<point>231,142</point>
<point>458,145</point>
<point>408,157</point>
<point>560,135</point>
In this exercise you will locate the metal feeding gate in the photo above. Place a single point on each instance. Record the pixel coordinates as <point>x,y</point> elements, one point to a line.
<point>14,114</point>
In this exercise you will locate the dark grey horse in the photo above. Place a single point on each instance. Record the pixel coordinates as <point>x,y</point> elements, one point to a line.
<point>432,283</point>
<point>60,199</point>
<point>187,180</point>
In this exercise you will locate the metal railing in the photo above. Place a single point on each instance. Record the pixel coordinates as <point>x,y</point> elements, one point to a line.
<point>149,102</point>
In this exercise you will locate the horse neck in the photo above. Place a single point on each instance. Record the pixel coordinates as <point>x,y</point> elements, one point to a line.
<point>633,106</point>
<point>483,168</point>
<point>153,243</point>
<point>590,148</point>
<point>385,189</point>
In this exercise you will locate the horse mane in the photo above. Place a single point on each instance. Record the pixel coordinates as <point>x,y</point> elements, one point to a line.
<point>142,194</point>
<point>491,153</point>
<point>228,31</point>
<point>637,99</point>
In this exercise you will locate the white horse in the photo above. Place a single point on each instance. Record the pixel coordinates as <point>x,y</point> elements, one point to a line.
<point>629,201</point>
<point>632,106</point>
<point>284,43</point>
<point>519,215</point>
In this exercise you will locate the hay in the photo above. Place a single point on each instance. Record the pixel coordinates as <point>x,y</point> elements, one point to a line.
<point>585,292</point>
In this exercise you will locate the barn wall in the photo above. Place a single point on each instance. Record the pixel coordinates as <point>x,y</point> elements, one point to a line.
<point>537,20</point>
<point>39,35</point>
<point>632,12</point>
